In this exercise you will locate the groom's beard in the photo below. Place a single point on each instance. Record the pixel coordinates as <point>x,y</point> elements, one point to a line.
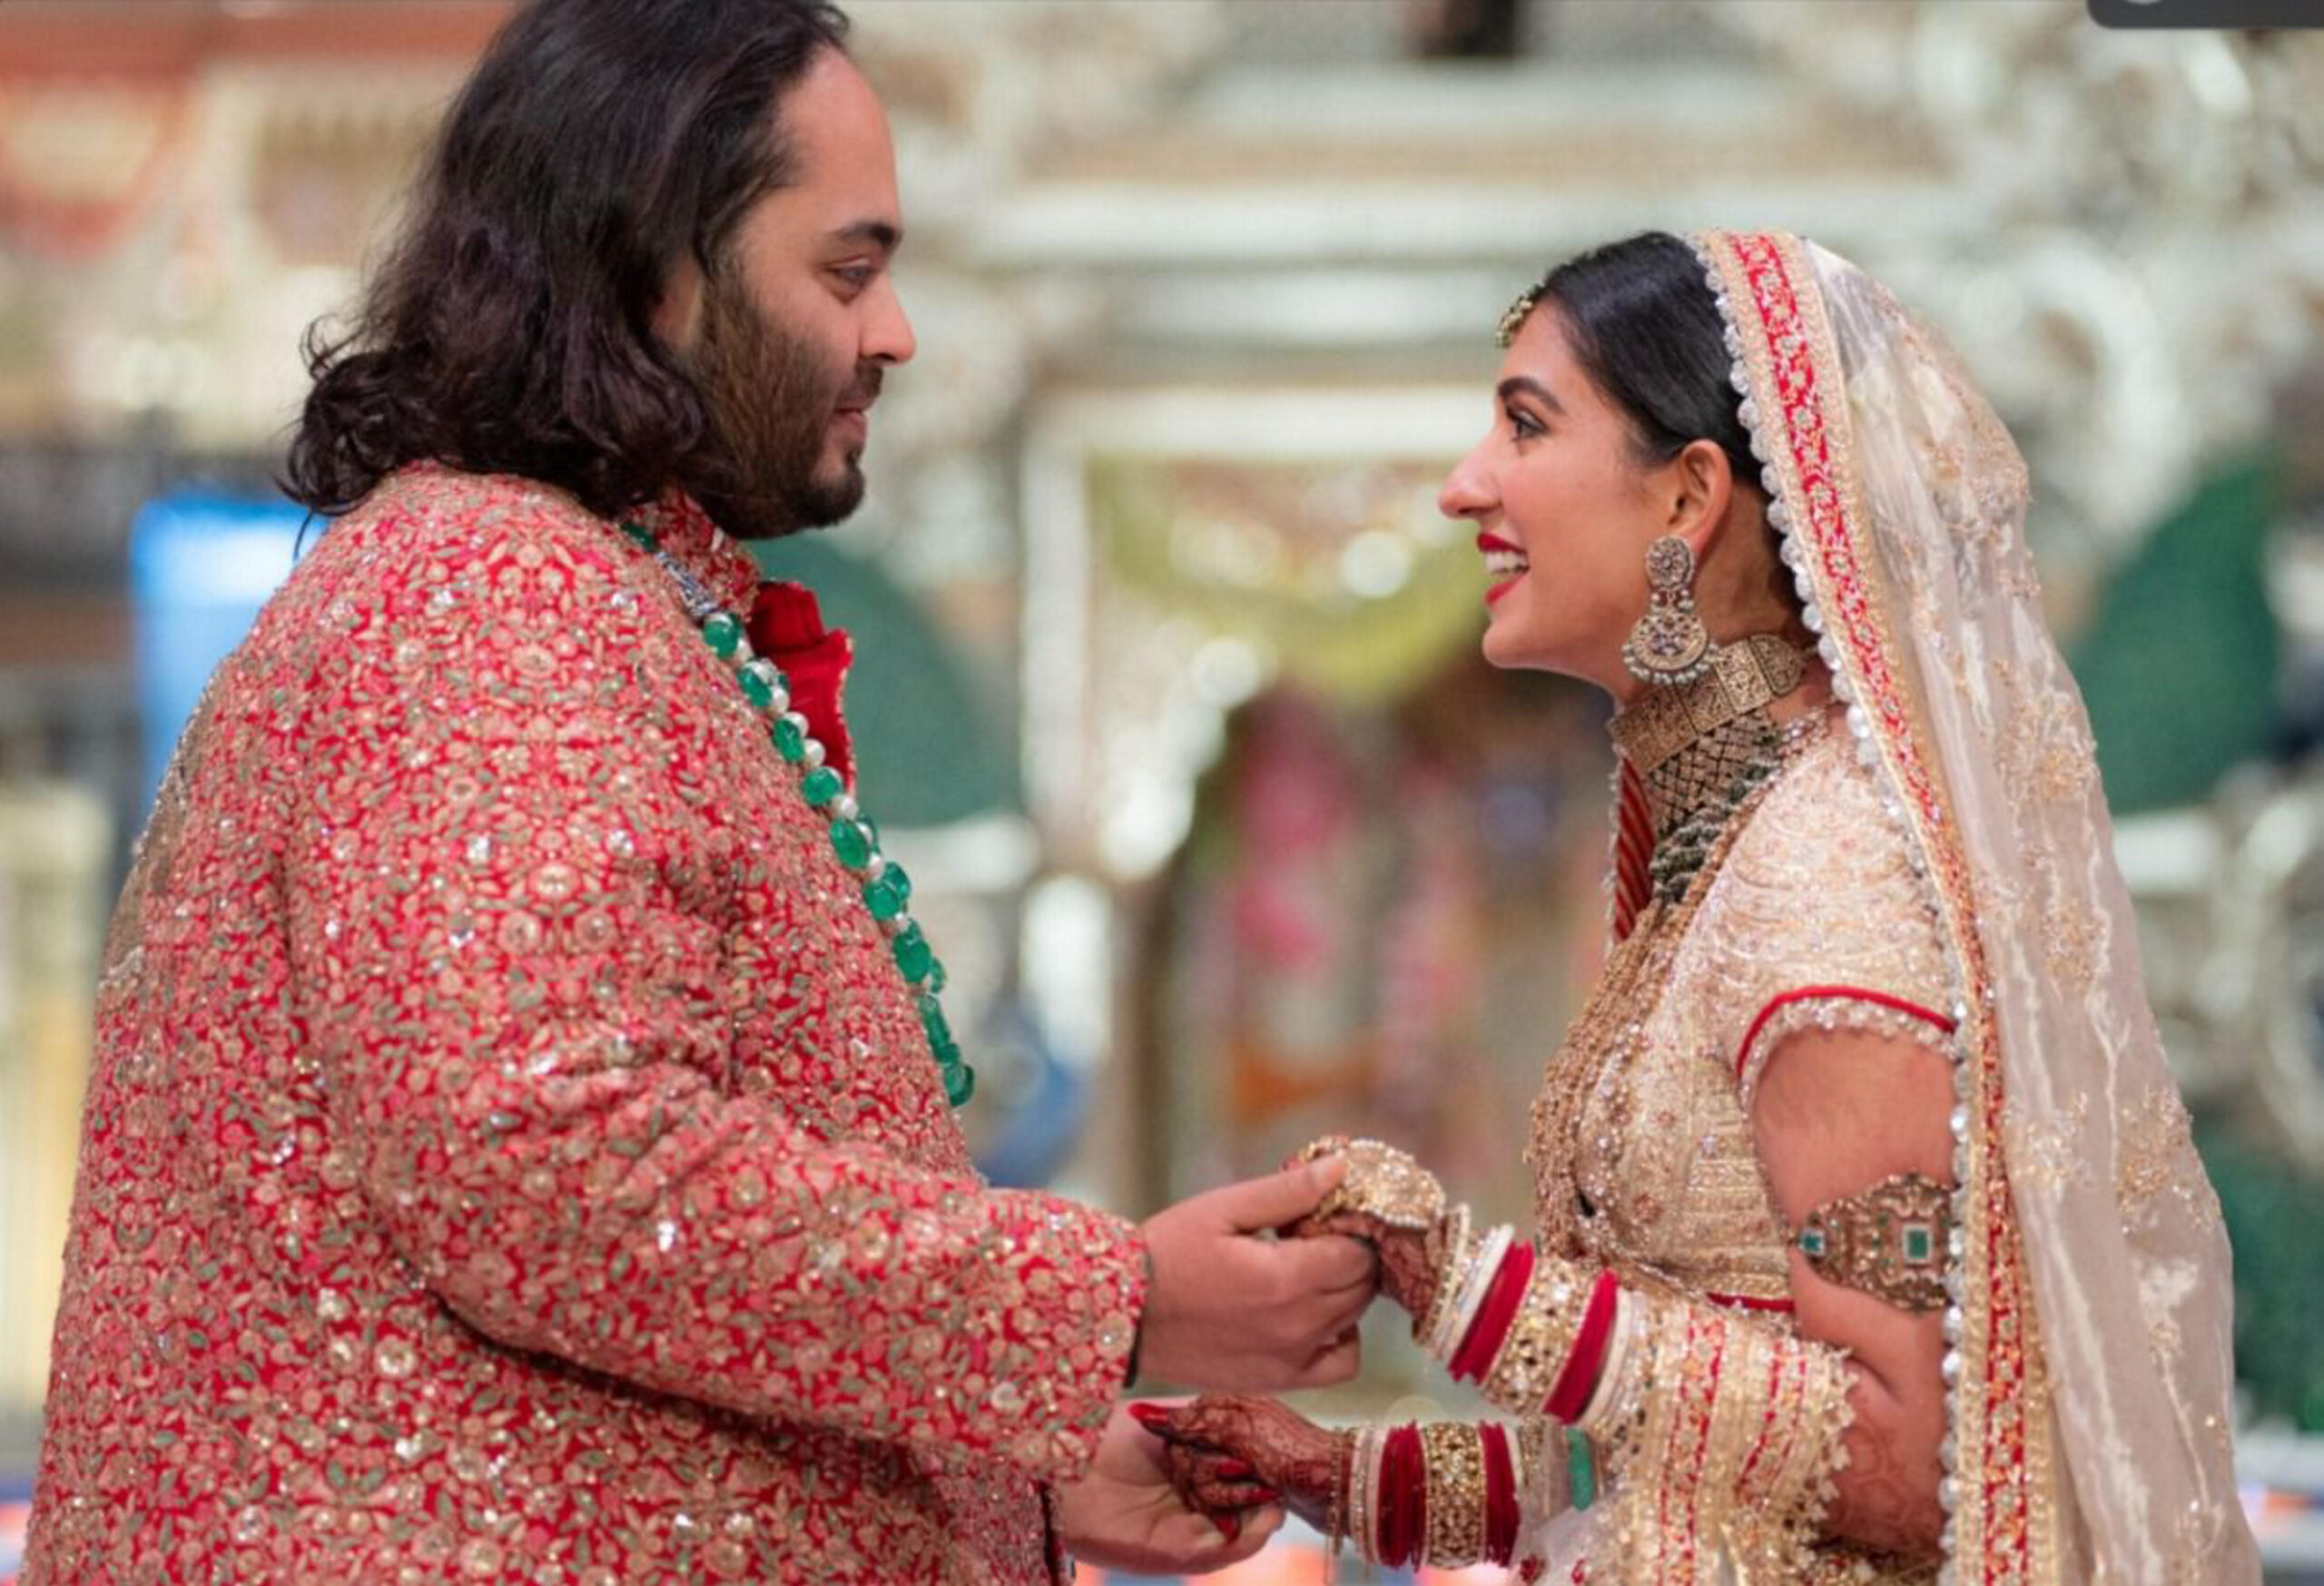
<point>771,403</point>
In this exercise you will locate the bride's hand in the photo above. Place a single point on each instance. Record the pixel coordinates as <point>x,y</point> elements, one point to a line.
<point>1124,1514</point>
<point>1223,1451</point>
<point>1408,1274</point>
<point>1391,1203</point>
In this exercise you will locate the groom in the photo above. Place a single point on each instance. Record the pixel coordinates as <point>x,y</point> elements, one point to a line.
<point>518,1145</point>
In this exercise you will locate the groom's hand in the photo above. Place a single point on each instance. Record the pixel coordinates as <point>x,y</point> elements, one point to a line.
<point>1408,1275</point>
<point>1233,1310</point>
<point>1123,1514</point>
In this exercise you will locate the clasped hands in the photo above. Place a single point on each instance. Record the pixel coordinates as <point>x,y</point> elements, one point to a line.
<point>1238,1459</point>
<point>1232,1309</point>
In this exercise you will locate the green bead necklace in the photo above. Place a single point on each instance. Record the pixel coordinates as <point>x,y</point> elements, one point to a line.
<point>854,836</point>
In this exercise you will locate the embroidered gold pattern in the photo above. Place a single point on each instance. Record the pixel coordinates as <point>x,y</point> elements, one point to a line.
<point>488,995</point>
<point>2048,1154</point>
<point>1731,1461</point>
<point>2004,1527</point>
<point>1456,1507</point>
<point>2156,1157</point>
<point>1642,1148</point>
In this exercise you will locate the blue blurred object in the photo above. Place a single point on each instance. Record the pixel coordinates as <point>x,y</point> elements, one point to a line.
<point>1047,1102</point>
<point>201,564</point>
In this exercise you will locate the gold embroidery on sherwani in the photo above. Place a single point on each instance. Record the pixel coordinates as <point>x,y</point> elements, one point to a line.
<point>511,1151</point>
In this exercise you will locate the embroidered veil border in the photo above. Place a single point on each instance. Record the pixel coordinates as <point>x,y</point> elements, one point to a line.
<point>2088,1355</point>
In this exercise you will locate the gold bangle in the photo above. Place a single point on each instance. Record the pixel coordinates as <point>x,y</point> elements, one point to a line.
<point>1548,1318</point>
<point>1456,1462</point>
<point>1344,1454</point>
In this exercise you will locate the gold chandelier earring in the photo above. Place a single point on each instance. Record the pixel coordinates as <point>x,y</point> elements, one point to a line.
<point>1669,646</point>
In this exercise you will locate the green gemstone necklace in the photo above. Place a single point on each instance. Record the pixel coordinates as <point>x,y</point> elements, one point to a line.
<point>855,835</point>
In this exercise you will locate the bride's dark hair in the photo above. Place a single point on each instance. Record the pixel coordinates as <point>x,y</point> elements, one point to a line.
<point>1640,317</point>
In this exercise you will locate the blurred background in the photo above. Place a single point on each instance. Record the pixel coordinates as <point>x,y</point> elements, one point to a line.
<point>1169,689</point>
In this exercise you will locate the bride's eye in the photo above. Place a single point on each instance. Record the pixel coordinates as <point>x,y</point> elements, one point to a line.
<point>1522,424</point>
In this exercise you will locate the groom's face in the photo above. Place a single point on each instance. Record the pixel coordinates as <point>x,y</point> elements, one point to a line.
<point>789,336</point>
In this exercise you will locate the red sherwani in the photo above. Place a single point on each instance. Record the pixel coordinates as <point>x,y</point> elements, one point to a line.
<point>512,1154</point>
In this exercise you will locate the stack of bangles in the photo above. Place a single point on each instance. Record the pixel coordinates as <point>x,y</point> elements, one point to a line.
<point>1540,1341</point>
<point>1527,1334</point>
<point>1444,1494</point>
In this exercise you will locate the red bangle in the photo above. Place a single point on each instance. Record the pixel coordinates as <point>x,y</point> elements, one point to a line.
<point>1415,1537</point>
<point>1578,1377</point>
<point>1475,1351</point>
<point>1501,1495</point>
<point>1393,1498</point>
<point>1403,1475</point>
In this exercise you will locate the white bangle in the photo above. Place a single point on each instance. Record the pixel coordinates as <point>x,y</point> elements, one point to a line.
<point>1610,1374</point>
<point>1547,1466</point>
<point>1516,1446</point>
<point>1375,1445</point>
<point>1463,1316</point>
<point>1451,1283</point>
<point>1451,1322</point>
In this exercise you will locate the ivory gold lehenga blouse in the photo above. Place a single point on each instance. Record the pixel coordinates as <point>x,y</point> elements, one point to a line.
<point>1808,916</point>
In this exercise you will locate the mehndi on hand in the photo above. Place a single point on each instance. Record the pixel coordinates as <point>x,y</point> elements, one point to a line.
<point>1392,1202</point>
<point>1228,1453</point>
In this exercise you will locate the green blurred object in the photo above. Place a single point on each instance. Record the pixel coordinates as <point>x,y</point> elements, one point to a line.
<point>926,751</point>
<point>2179,666</point>
<point>2272,1213</point>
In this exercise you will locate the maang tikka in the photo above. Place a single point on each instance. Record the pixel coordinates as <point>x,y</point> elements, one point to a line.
<point>1669,646</point>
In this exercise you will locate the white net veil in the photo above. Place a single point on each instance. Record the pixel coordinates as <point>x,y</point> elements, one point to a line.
<point>1902,502</point>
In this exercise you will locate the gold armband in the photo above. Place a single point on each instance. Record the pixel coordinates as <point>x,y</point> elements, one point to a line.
<point>1891,1241</point>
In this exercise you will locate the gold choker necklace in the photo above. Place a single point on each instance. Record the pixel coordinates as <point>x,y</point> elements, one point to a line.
<point>1701,748</point>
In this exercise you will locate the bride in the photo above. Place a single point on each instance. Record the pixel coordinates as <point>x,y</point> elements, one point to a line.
<point>1869,1239</point>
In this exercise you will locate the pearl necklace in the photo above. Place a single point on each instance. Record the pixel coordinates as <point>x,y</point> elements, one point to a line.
<point>855,835</point>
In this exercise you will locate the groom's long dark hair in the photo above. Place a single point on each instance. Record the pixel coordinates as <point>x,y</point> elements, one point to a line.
<point>509,329</point>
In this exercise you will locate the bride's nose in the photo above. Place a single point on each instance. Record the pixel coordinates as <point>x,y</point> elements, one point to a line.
<point>1467,490</point>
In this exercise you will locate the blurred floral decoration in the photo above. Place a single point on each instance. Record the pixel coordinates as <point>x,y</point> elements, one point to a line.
<point>2150,262</point>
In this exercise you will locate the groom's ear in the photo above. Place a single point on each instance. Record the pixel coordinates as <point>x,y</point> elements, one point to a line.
<point>677,313</point>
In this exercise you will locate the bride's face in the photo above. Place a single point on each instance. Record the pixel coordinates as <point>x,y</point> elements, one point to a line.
<point>1564,511</point>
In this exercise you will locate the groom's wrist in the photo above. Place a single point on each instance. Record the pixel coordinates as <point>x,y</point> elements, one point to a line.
<point>1137,1328</point>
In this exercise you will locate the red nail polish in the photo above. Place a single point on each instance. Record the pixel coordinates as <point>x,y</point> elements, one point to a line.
<point>1267,1495</point>
<point>1230,1528</point>
<point>1233,1470</point>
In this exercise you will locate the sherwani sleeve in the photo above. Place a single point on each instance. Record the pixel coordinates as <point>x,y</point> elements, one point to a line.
<point>515,882</point>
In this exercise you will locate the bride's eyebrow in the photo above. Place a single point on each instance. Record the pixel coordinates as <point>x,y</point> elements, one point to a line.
<point>1533,387</point>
